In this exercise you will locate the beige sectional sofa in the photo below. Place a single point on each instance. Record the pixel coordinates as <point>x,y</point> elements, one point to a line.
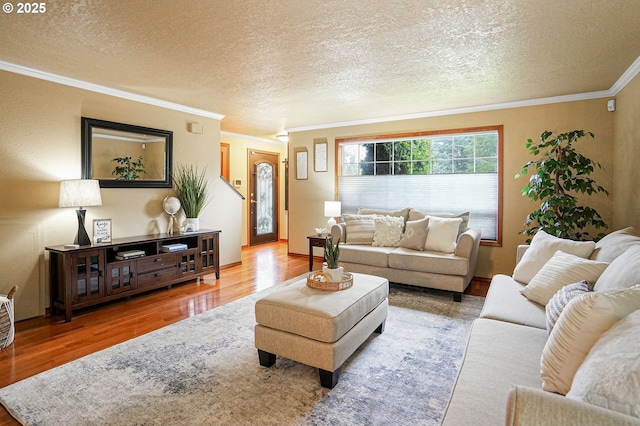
<point>511,358</point>
<point>450,268</point>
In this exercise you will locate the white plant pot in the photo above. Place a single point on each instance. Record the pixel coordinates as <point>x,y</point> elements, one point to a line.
<point>335,274</point>
<point>191,224</point>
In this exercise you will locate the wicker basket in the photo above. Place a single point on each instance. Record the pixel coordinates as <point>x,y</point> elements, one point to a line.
<point>6,318</point>
<point>321,281</point>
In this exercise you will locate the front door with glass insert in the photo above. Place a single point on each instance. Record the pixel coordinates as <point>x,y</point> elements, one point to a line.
<point>263,197</point>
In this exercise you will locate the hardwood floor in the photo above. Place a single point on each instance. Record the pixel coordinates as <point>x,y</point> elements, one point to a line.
<point>47,342</point>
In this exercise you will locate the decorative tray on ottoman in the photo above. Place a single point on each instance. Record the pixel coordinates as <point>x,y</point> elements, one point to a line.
<point>321,281</point>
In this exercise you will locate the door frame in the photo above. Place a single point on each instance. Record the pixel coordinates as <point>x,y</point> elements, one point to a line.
<point>250,188</point>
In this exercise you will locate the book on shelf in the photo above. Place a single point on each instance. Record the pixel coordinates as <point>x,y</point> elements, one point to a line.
<point>131,254</point>
<point>168,248</point>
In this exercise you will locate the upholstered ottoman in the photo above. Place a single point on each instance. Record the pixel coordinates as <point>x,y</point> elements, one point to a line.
<point>320,328</point>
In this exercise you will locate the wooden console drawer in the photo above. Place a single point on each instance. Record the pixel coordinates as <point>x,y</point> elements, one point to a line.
<point>154,277</point>
<point>156,262</point>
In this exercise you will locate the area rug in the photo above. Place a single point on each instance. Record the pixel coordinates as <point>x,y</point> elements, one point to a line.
<point>204,370</point>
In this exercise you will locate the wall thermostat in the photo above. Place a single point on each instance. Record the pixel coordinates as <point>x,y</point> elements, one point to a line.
<point>611,105</point>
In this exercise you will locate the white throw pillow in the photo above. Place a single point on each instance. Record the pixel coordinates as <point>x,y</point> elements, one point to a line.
<point>543,247</point>
<point>562,269</point>
<point>610,375</point>
<point>579,327</point>
<point>442,234</point>
<point>388,231</point>
<point>464,225</point>
<point>624,271</point>
<point>415,234</point>
<point>559,300</point>
<point>614,244</point>
<point>360,228</point>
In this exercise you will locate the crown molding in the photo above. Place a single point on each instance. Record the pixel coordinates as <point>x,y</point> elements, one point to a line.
<point>626,77</point>
<point>250,138</point>
<point>55,78</point>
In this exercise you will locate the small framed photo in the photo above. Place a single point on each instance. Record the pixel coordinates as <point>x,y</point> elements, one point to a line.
<point>301,163</point>
<point>101,231</point>
<point>320,155</point>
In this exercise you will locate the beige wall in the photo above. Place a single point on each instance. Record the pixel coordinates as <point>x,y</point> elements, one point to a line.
<point>40,145</point>
<point>239,169</point>
<point>626,200</point>
<point>307,196</point>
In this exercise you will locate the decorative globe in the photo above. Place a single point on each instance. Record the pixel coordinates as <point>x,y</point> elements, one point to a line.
<point>171,205</point>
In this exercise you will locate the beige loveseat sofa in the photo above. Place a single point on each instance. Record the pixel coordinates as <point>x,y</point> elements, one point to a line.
<point>448,269</point>
<point>509,358</point>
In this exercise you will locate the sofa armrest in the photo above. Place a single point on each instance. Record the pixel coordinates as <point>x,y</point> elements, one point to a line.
<point>468,243</point>
<point>339,232</point>
<point>535,407</point>
<point>520,252</point>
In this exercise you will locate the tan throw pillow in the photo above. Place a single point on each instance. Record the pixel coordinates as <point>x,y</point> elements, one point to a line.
<point>360,228</point>
<point>623,272</point>
<point>580,325</point>
<point>614,244</point>
<point>561,299</point>
<point>543,247</point>
<point>442,234</point>
<point>417,215</point>
<point>415,234</point>
<point>560,270</point>
<point>610,375</point>
<point>388,231</point>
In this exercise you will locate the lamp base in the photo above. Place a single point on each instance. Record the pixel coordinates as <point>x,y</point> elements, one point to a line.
<point>82,238</point>
<point>330,224</point>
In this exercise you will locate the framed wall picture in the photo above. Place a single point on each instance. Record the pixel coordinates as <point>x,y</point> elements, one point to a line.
<point>101,231</point>
<point>320,155</point>
<point>301,163</point>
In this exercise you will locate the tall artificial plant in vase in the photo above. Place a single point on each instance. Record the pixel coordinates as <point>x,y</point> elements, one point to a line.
<point>331,259</point>
<point>190,185</point>
<point>559,174</point>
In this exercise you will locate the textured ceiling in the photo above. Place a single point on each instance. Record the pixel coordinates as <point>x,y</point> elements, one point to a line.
<point>273,64</point>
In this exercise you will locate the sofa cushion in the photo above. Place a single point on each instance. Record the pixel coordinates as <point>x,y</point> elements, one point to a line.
<point>504,302</point>
<point>442,234</point>
<point>580,325</point>
<point>404,213</point>
<point>415,234</point>
<point>610,374</point>
<point>614,244</point>
<point>498,355</point>
<point>624,271</point>
<point>428,261</point>
<point>360,228</point>
<point>388,231</point>
<point>464,225</point>
<point>542,248</point>
<point>559,300</point>
<point>562,269</point>
<point>366,255</point>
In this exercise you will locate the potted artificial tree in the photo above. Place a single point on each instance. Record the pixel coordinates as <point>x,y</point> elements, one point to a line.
<point>128,169</point>
<point>331,259</point>
<point>558,175</point>
<point>191,189</point>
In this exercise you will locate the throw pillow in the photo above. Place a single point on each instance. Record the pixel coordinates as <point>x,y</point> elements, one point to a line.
<point>415,234</point>
<point>404,213</point>
<point>417,215</point>
<point>360,228</point>
<point>388,231</point>
<point>442,234</point>
<point>543,247</point>
<point>624,271</point>
<point>614,244</point>
<point>560,270</point>
<point>610,375</point>
<point>580,325</point>
<point>561,298</point>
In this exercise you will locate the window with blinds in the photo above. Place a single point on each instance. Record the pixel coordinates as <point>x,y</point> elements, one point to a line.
<point>435,172</point>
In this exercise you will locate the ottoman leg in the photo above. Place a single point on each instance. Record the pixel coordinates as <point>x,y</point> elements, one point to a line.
<point>328,379</point>
<point>266,359</point>
<point>380,328</point>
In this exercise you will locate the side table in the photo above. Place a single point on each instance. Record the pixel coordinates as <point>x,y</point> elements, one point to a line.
<point>315,241</point>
